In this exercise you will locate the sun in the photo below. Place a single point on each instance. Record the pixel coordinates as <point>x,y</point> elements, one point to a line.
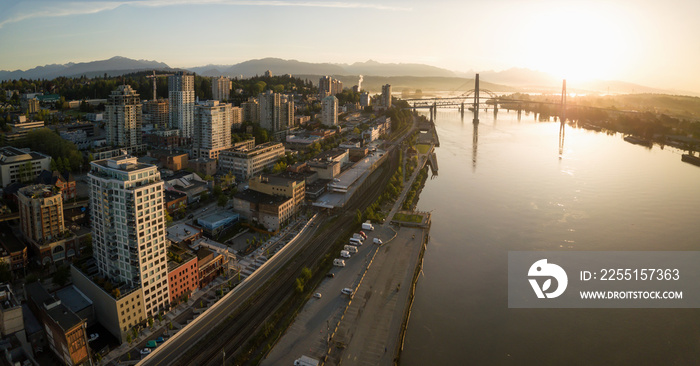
<point>577,44</point>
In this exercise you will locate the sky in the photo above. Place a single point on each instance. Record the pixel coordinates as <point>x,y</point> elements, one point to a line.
<point>649,42</point>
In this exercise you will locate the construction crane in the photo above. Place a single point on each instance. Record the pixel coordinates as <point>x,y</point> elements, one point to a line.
<point>154,76</point>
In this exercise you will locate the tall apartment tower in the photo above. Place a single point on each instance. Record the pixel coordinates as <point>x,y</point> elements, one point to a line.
<point>220,88</point>
<point>124,117</point>
<point>386,95</point>
<point>156,114</point>
<point>128,227</point>
<point>286,112</point>
<point>329,86</point>
<point>276,111</point>
<point>181,98</point>
<point>40,212</point>
<point>212,129</point>
<point>251,110</point>
<point>364,99</point>
<point>329,110</point>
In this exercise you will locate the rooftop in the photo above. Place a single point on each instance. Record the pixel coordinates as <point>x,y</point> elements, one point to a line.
<point>184,256</point>
<point>180,232</point>
<point>9,241</point>
<point>11,155</point>
<point>73,298</point>
<point>330,154</point>
<point>257,197</point>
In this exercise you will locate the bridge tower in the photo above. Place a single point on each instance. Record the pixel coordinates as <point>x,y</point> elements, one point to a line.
<point>562,118</point>
<point>435,110</point>
<point>462,110</point>
<point>476,99</point>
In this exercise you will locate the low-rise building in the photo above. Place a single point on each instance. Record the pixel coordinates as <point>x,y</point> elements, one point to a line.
<point>203,165</point>
<point>280,185</point>
<point>183,274</point>
<point>21,165</point>
<point>174,200</point>
<point>78,303</point>
<point>217,222</point>
<point>210,265</point>
<point>182,235</point>
<point>245,163</point>
<point>65,330</point>
<point>63,181</point>
<point>15,249</point>
<point>11,320</point>
<point>170,159</point>
<point>263,209</point>
<point>118,309</point>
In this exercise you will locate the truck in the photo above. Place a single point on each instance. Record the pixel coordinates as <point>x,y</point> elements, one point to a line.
<point>350,248</point>
<point>305,361</point>
<point>345,254</point>
<point>367,226</point>
<point>358,236</point>
<point>354,241</point>
<point>339,262</point>
<point>377,241</point>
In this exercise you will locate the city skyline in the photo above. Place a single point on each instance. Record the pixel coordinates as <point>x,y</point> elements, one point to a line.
<point>639,42</point>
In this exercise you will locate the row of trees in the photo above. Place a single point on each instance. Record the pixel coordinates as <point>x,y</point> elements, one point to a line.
<point>50,143</point>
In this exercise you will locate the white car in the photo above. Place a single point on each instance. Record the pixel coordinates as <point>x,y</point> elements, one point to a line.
<point>145,351</point>
<point>93,337</point>
<point>377,241</point>
<point>347,291</point>
<point>317,295</point>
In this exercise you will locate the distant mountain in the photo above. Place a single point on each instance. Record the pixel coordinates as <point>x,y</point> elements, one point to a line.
<point>114,66</point>
<point>374,68</point>
<point>280,66</point>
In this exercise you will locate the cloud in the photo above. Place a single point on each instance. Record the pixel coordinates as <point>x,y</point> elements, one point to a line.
<point>52,9</point>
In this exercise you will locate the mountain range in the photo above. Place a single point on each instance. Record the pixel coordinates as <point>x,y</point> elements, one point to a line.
<point>400,75</point>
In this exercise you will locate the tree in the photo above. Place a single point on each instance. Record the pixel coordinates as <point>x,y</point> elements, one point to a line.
<point>128,338</point>
<point>168,218</point>
<point>61,276</point>
<point>222,201</point>
<point>358,217</point>
<point>150,322</point>
<point>204,197</point>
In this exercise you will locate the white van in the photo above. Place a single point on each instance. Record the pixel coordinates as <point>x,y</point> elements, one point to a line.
<point>350,248</point>
<point>339,262</point>
<point>377,241</point>
<point>355,241</point>
<point>345,254</point>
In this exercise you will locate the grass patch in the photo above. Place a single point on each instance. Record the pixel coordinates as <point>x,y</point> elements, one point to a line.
<point>423,148</point>
<point>408,218</point>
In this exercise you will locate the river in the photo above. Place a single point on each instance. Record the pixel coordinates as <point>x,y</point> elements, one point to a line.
<point>511,189</point>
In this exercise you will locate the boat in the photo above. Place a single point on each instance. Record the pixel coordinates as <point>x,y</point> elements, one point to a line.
<point>637,141</point>
<point>692,159</point>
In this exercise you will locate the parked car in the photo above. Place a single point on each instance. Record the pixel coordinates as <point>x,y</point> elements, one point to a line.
<point>331,275</point>
<point>160,340</point>
<point>93,337</point>
<point>377,241</point>
<point>145,351</point>
<point>317,295</point>
<point>151,344</point>
<point>190,216</point>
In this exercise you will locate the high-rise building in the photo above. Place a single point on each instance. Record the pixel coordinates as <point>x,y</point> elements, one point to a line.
<point>286,112</point>
<point>41,212</point>
<point>212,129</point>
<point>220,88</point>
<point>236,117</point>
<point>364,99</point>
<point>251,111</point>
<point>181,98</point>
<point>124,117</point>
<point>386,95</point>
<point>329,86</point>
<point>276,111</point>
<point>128,228</point>
<point>156,113</point>
<point>329,110</point>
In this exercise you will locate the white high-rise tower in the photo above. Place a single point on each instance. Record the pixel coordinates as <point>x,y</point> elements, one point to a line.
<point>128,227</point>
<point>181,98</point>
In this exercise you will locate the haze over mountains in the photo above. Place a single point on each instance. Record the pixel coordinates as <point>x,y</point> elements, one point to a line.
<point>401,75</point>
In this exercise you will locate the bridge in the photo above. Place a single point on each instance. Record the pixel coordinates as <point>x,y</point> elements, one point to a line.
<point>472,100</point>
